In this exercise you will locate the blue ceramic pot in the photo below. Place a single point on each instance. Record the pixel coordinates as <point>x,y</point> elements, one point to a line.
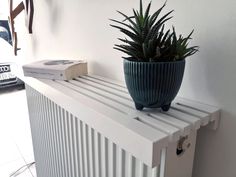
<point>153,84</point>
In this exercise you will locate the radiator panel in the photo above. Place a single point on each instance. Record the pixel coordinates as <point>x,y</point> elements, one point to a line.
<point>64,146</point>
<point>88,127</point>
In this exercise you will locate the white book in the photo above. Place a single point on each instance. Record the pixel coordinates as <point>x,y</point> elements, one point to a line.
<point>56,69</point>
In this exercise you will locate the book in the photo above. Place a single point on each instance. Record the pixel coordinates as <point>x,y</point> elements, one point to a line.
<point>56,69</point>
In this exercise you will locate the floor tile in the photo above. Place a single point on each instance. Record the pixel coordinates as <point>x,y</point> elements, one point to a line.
<point>15,136</point>
<point>8,149</point>
<point>7,169</point>
<point>33,170</point>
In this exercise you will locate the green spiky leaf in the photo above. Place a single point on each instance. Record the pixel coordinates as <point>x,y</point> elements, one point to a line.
<point>147,38</point>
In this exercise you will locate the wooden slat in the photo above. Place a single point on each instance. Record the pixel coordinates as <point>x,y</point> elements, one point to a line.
<point>102,98</point>
<point>173,132</point>
<point>112,90</point>
<point>98,92</point>
<point>108,82</point>
<point>205,118</point>
<point>208,109</point>
<point>105,79</point>
<point>20,7</point>
<point>194,121</point>
<point>196,105</point>
<point>185,127</point>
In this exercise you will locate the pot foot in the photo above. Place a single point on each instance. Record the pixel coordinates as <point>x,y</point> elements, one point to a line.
<point>138,106</point>
<point>166,107</point>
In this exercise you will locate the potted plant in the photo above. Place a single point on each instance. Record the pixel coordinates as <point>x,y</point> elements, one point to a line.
<point>155,63</point>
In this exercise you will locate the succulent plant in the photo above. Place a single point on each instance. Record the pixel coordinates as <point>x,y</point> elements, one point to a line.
<point>147,39</point>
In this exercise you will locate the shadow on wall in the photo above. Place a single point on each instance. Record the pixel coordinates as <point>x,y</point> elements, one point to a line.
<point>220,67</point>
<point>215,150</point>
<point>216,147</point>
<point>53,22</point>
<point>34,43</point>
<point>54,14</point>
<point>97,67</point>
<point>211,75</point>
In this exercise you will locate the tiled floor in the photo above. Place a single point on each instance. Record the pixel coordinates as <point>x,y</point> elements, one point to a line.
<point>15,136</point>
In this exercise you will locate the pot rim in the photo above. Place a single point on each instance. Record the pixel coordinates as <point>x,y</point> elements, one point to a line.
<point>155,62</point>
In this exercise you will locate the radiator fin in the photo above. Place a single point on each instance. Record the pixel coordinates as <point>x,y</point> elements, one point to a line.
<point>64,146</point>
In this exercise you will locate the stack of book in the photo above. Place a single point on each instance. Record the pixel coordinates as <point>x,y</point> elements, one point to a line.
<point>56,69</point>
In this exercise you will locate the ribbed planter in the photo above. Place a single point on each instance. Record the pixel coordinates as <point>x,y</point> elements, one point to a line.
<point>153,84</point>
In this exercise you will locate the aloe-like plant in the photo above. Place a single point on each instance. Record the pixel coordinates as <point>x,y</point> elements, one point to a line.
<point>147,39</point>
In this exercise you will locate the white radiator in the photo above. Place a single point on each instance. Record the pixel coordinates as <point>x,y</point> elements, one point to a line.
<point>88,127</point>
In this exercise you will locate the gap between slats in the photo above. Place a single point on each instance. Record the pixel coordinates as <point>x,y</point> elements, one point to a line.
<point>204,118</point>
<point>106,88</point>
<point>100,92</point>
<point>94,98</point>
<point>106,81</point>
<point>173,132</point>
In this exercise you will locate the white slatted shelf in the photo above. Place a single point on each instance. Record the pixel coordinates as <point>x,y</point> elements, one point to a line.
<point>106,106</point>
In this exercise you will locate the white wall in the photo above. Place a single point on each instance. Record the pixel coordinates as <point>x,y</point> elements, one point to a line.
<point>211,77</point>
<point>80,29</point>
